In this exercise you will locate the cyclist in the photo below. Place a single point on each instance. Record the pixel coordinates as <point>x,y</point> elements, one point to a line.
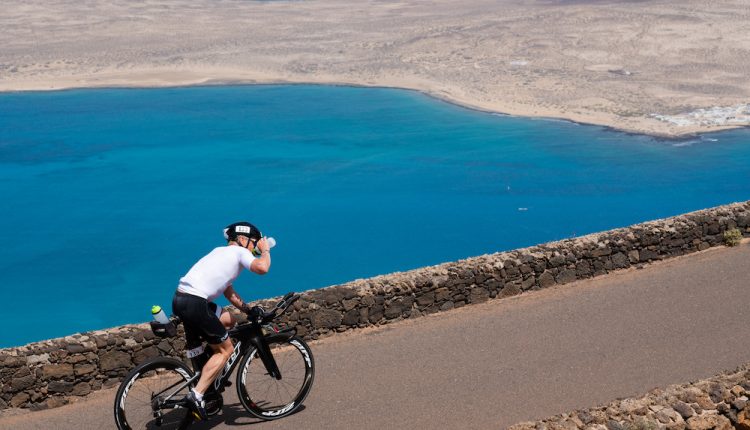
<point>193,302</point>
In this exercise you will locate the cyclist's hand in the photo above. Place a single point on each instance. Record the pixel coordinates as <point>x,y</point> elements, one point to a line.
<point>245,308</point>
<point>263,245</point>
<point>256,313</point>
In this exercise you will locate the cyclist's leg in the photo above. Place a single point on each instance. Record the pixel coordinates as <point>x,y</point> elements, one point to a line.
<point>194,346</point>
<point>227,319</point>
<point>181,306</point>
<point>211,369</point>
<point>202,318</point>
<point>216,335</point>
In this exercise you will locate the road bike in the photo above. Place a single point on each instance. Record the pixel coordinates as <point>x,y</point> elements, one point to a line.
<point>276,372</point>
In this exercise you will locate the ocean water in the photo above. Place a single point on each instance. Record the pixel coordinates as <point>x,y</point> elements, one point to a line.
<point>110,195</point>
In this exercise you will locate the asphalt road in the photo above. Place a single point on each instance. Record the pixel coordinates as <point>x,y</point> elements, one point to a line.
<point>528,357</point>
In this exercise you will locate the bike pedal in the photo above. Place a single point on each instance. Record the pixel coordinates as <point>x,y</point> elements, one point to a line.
<point>228,384</point>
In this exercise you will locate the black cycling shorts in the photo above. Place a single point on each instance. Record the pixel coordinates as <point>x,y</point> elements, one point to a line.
<point>200,320</point>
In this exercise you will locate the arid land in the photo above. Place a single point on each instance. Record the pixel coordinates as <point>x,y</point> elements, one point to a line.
<point>612,63</point>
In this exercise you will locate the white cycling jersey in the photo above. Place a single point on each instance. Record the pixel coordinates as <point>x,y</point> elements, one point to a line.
<point>210,276</point>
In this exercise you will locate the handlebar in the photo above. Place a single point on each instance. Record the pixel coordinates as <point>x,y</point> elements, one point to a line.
<point>259,315</point>
<point>286,301</point>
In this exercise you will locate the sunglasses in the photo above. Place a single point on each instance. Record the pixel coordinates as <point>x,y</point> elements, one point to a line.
<point>254,248</point>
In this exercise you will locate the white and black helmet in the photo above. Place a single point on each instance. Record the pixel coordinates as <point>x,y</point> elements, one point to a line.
<point>241,228</point>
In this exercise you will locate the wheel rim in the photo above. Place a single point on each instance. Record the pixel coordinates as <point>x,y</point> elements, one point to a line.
<point>147,388</point>
<point>270,397</point>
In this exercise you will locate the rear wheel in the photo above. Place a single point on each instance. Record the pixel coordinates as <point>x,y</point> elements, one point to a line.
<point>148,395</point>
<point>269,398</point>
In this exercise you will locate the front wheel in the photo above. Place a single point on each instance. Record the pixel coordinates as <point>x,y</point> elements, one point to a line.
<point>269,398</point>
<point>148,396</point>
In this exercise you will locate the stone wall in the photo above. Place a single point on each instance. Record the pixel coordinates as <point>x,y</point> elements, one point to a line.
<point>46,374</point>
<point>719,403</point>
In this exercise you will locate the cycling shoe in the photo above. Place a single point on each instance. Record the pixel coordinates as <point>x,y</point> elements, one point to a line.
<point>198,408</point>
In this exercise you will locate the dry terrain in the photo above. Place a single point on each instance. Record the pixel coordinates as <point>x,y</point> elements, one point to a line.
<point>614,63</point>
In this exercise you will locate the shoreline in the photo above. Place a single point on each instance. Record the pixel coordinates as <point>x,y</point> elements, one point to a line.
<point>687,134</point>
<point>658,69</point>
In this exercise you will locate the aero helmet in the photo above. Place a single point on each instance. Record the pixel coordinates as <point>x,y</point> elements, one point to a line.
<point>241,228</point>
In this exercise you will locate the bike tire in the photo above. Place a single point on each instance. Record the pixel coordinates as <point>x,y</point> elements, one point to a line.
<point>133,402</point>
<point>267,398</point>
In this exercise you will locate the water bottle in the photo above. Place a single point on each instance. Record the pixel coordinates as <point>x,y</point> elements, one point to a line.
<point>158,313</point>
<point>271,243</point>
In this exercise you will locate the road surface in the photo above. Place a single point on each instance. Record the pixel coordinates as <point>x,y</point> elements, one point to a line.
<point>492,365</point>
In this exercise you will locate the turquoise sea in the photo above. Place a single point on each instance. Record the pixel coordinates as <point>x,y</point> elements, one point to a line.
<point>109,195</point>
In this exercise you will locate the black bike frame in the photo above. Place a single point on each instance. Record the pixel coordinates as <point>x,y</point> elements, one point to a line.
<point>245,336</point>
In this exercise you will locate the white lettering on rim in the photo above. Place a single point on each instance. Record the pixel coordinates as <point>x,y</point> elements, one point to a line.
<point>127,388</point>
<point>278,412</point>
<point>183,373</point>
<point>303,351</point>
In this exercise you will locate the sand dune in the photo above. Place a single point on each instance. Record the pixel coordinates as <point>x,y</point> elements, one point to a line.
<point>628,65</point>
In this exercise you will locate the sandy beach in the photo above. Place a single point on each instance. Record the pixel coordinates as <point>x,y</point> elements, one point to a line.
<point>639,66</point>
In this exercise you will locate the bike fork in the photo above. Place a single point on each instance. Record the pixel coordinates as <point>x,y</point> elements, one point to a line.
<point>266,356</point>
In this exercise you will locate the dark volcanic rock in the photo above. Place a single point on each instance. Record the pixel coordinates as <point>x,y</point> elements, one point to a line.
<point>114,360</point>
<point>326,318</point>
<point>57,371</point>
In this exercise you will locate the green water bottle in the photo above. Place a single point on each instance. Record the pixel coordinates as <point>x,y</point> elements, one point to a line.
<point>158,313</point>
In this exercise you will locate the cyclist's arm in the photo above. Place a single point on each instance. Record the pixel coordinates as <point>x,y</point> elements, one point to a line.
<point>261,264</point>
<point>233,297</point>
